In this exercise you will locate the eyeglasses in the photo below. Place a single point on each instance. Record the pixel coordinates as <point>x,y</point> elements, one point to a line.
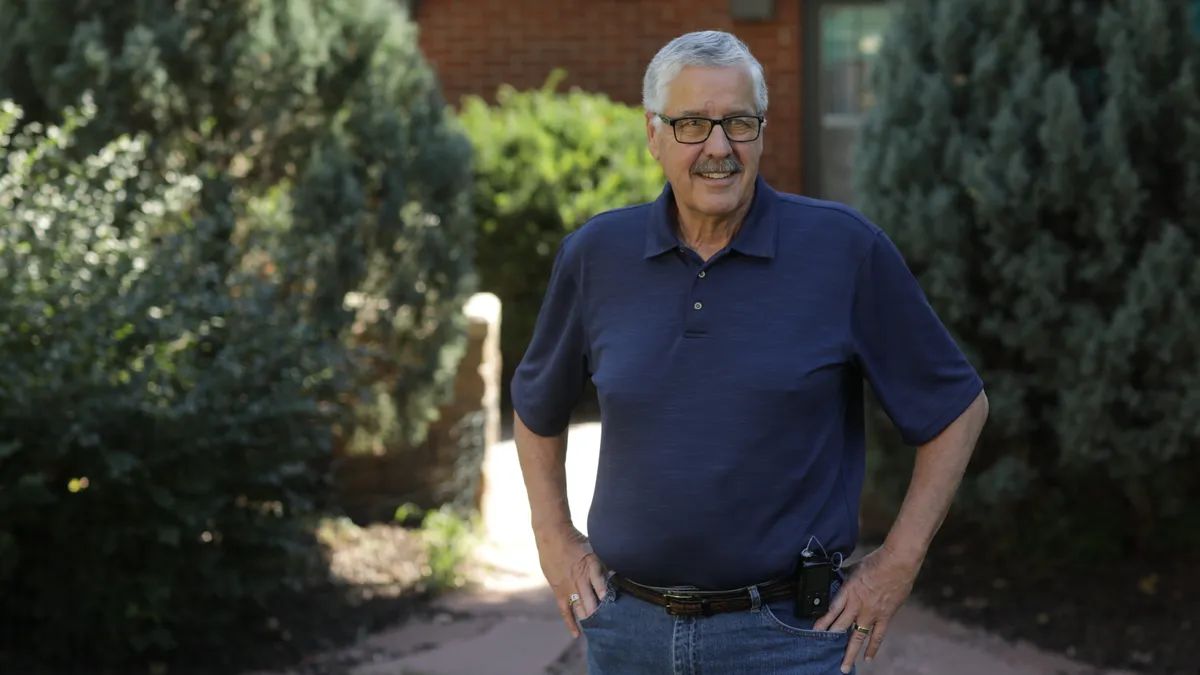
<point>738,129</point>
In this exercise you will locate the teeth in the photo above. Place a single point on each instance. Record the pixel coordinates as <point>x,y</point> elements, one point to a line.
<point>715,175</point>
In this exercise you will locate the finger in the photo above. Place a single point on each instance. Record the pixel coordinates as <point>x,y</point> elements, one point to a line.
<point>853,612</point>
<point>579,609</point>
<point>588,600</point>
<point>877,632</point>
<point>568,615</point>
<point>836,607</point>
<point>840,621</point>
<point>597,577</point>
<point>589,584</point>
<point>857,638</point>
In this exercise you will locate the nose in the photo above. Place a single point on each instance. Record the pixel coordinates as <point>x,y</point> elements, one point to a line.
<point>718,144</point>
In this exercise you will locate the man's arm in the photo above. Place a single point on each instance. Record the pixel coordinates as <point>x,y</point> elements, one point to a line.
<point>543,465</point>
<point>934,397</point>
<point>884,580</point>
<point>545,389</point>
<point>566,557</point>
<point>937,474</point>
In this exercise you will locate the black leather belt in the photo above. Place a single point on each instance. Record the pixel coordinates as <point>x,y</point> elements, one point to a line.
<point>707,603</point>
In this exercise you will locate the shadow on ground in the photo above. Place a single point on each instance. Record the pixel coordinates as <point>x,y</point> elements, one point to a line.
<point>367,580</point>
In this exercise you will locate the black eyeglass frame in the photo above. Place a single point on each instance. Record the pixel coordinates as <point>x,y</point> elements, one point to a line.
<point>762,121</point>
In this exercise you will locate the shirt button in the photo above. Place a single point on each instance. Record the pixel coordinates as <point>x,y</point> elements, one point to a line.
<point>702,274</point>
<point>697,305</point>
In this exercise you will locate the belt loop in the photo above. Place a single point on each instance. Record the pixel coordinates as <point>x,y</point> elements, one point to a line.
<point>755,599</point>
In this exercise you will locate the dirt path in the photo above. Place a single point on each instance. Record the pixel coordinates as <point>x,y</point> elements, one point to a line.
<point>510,625</point>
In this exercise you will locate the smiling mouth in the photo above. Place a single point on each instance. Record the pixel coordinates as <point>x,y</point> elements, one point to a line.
<point>717,175</point>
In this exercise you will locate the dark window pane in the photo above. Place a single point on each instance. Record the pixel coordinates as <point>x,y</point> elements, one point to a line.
<point>851,33</point>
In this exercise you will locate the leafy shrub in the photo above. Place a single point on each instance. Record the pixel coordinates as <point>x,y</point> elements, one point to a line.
<point>157,429</point>
<point>320,129</point>
<point>180,354</point>
<point>546,162</point>
<point>1039,164</point>
<point>449,537</point>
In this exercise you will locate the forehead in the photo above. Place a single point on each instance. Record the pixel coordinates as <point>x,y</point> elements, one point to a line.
<point>710,91</point>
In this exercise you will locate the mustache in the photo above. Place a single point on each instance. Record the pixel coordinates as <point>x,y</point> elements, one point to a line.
<point>727,165</point>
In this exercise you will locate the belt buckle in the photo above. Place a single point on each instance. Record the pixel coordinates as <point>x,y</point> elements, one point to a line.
<point>687,600</point>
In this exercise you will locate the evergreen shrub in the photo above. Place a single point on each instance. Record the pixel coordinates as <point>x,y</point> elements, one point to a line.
<point>1038,161</point>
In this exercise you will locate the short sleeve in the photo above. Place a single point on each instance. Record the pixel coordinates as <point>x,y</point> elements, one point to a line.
<point>920,376</point>
<point>550,379</point>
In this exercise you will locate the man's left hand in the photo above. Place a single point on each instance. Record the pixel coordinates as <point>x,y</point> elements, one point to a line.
<point>869,598</point>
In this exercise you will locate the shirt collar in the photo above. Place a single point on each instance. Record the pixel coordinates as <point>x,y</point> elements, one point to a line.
<point>756,236</point>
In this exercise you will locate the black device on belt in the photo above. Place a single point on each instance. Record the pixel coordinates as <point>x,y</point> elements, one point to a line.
<point>814,576</point>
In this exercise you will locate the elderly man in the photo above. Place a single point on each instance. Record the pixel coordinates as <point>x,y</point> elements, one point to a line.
<point>728,329</point>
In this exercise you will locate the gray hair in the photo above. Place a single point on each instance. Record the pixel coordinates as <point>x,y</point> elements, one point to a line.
<point>709,48</point>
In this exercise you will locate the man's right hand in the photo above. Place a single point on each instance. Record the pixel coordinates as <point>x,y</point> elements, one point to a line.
<point>571,567</point>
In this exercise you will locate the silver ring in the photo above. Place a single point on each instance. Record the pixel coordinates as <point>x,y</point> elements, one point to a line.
<point>573,599</point>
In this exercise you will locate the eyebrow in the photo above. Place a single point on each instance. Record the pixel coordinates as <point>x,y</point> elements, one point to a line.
<point>701,113</point>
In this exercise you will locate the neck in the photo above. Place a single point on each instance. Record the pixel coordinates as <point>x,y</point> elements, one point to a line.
<point>709,231</point>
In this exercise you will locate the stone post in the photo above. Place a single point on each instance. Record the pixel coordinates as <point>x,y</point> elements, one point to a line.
<point>448,466</point>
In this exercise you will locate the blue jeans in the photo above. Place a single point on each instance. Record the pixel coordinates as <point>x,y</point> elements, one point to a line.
<point>627,636</point>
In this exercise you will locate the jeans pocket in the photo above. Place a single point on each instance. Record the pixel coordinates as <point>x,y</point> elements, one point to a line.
<point>610,596</point>
<point>781,615</point>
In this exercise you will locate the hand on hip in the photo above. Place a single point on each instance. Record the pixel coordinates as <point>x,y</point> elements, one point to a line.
<point>574,573</point>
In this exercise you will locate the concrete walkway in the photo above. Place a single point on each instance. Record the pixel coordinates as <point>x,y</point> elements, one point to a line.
<point>511,625</point>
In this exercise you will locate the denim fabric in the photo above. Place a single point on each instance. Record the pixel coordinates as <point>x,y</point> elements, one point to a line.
<point>626,636</point>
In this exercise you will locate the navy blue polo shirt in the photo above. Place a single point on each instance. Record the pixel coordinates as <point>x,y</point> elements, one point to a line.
<point>731,390</point>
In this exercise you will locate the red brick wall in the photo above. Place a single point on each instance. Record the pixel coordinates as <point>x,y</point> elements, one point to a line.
<point>604,45</point>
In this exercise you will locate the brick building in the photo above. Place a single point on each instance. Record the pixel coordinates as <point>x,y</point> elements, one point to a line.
<point>815,54</point>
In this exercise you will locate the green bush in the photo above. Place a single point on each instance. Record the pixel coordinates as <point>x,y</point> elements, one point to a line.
<point>319,119</point>
<point>1039,164</point>
<point>154,477</point>
<point>181,356</point>
<point>449,537</point>
<point>546,162</point>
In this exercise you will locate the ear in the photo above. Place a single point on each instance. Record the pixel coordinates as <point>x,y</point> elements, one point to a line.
<point>652,132</point>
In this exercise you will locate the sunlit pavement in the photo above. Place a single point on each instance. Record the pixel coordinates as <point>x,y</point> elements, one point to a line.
<point>510,624</point>
<point>510,544</point>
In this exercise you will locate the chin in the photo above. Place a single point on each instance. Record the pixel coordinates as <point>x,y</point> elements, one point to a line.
<point>722,197</point>
<point>717,204</point>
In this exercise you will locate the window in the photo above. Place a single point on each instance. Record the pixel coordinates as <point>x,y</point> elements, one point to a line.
<point>842,40</point>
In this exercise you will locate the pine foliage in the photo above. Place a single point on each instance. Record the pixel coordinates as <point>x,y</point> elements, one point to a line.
<point>1038,161</point>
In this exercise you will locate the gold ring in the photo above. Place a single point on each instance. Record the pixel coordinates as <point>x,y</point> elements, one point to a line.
<point>862,629</point>
<point>573,599</point>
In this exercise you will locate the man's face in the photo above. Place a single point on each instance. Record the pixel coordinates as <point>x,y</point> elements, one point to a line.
<point>714,93</point>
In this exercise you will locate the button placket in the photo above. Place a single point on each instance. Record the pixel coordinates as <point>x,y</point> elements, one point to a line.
<point>695,324</point>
